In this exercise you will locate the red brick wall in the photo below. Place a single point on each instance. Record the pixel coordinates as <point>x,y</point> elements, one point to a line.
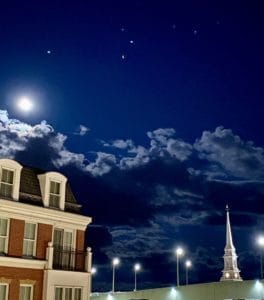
<point>16,234</point>
<point>44,236</point>
<point>17,274</point>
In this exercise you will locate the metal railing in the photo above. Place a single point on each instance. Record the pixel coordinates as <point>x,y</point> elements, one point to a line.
<point>69,259</point>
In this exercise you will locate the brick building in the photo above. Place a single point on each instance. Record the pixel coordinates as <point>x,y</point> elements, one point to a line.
<point>42,253</point>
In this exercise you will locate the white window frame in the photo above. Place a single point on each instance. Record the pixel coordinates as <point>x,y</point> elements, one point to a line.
<point>44,181</point>
<point>7,183</point>
<point>31,291</point>
<point>7,289</point>
<point>7,234</point>
<point>35,240</point>
<point>68,287</point>
<point>14,166</point>
<point>59,195</point>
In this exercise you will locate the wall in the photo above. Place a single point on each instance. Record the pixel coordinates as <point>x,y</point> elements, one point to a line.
<point>250,290</point>
<point>54,278</point>
<point>16,276</point>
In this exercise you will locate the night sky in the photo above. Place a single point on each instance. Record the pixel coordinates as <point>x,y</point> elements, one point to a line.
<point>154,111</point>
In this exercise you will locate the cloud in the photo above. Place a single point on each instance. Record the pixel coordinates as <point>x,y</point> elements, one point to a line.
<point>161,192</point>
<point>163,143</point>
<point>15,135</point>
<point>229,155</point>
<point>103,164</point>
<point>82,130</point>
<point>65,157</point>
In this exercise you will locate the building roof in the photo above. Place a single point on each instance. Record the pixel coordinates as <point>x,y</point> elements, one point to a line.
<point>30,190</point>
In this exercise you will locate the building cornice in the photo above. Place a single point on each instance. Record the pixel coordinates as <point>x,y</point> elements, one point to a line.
<point>18,210</point>
<point>14,262</point>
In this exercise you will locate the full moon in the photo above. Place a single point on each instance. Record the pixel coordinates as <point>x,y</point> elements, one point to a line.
<point>25,104</point>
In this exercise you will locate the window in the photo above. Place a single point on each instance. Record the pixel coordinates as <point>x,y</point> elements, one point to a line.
<point>3,235</point>
<point>26,292</point>
<point>68,293</point>
<point>63,253</point>
<point>29,239</point>
<point>54,198</point>
<point>3,291</point>
<point>78,294</point>
<point>7,180</point>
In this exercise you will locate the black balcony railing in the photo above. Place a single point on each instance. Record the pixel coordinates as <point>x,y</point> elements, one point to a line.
<point>68,259</point>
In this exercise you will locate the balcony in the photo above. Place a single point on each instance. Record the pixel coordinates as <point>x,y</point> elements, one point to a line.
<point>68,259</point>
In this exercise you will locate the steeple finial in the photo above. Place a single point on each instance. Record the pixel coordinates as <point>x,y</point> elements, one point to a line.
<point>231,271</point>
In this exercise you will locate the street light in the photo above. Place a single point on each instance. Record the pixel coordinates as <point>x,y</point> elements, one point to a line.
<point>115,262</point>
<point>188,264</point>
<point>179,252</point>
<point>260,242</point>
<point>93,272</point>
<point>137,268</point>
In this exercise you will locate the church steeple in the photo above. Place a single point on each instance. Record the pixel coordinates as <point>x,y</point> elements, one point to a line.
<point>231,271</point>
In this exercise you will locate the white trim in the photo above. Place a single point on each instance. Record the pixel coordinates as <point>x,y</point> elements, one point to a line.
<point>31,213</point>
<point>7,289</point>
<point>44,181</point>
<point>35,237</point>
<point>14,262</point>
<point>16,167</point>
<point>31,290</point>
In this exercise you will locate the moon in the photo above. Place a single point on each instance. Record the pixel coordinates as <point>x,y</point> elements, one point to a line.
<point>25,104</point>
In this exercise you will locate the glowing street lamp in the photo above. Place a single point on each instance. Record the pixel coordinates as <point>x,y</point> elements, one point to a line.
<point>93,272</point>
<point>188,264</point>
<point>137,268</point>
<point>260,242</point>
<point>115,263</point>
<point>179,252</point>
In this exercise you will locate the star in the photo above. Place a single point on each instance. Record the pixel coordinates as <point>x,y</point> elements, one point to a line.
<point>195,32</point>
<point>48,51</point>
<point>123,56</point>
<point>131,42</point>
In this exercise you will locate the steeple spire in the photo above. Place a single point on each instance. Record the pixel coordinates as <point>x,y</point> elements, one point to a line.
<point>231,271</point>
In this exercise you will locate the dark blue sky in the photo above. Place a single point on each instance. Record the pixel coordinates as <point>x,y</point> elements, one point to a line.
<point>151,82</point>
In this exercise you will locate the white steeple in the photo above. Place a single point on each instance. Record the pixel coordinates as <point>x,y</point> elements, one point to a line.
<point>231,271</point>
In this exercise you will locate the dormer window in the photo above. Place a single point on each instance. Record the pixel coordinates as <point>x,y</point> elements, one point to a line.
<point>53,189</point>
<point>54,197</point>
<point>7,181</point>
<point>10,173</point>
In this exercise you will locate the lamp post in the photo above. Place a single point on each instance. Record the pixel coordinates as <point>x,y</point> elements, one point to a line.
<point>137,268</point>
<point>179,252</point>
<point>93,272</point>
<point>260,242</point>
<point>188,264</point>
<point>115,262</point>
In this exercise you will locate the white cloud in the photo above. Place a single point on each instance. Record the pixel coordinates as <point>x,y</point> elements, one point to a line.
<point>162,143</point>
<point>238,158</point>
<point>15,135</point>
<point>103,164</point>
<point>65,157</point>
<point>82,130</point>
